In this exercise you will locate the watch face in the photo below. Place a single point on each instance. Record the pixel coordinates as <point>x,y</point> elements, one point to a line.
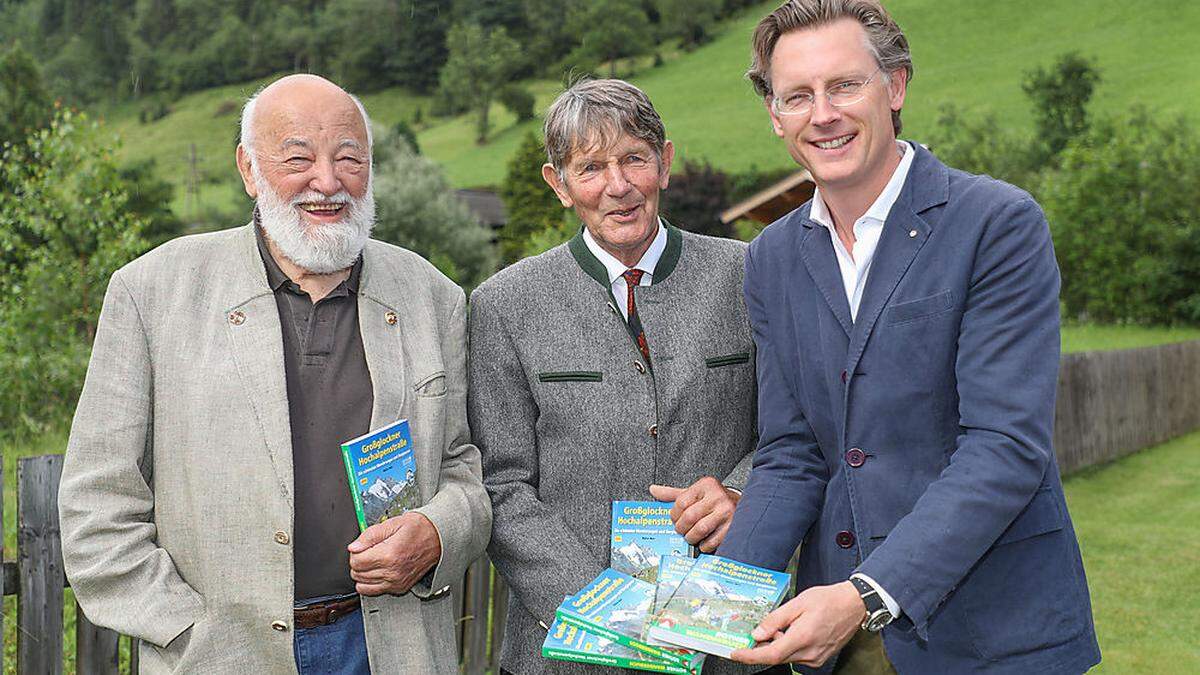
<point>878,621</point>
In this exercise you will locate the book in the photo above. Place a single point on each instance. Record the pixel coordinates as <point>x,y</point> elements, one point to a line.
<point>671,570</point>
<point>382,471</point>
<point>642,533</point>
<point>566,642</point>
<point>717,604</point>
<point>615,606</point>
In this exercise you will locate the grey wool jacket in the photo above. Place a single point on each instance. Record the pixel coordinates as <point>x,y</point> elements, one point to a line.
<point>568,417</point>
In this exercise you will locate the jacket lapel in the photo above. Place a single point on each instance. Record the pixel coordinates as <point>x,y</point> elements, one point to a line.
<point>382,316</point>
<point>904,234</point>
<point>816,250</point>
<point>252,322</point>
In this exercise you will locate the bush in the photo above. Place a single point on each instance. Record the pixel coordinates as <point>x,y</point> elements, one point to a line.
<point>695,198</point>
<point>64,229</point>
<point>1122,208</point>
<point>531,205</point>
<point>518,101</point>
<point>418,210</point>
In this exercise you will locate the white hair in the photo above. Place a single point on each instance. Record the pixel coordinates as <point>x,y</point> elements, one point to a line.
<point>246,125</point>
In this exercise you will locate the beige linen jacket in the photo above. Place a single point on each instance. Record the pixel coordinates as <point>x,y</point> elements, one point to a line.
<point>176,499</point>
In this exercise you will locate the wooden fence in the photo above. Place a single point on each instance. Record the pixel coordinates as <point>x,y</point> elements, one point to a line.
<point>1110,404</point>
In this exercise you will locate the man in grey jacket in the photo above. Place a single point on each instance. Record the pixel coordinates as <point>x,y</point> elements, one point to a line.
<point>618,366</point>
<point>204,504</point>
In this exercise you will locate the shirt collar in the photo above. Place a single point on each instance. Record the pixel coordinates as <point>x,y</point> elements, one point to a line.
<point>276,276</point>
<point>616,268</point>
<point>879,210</point>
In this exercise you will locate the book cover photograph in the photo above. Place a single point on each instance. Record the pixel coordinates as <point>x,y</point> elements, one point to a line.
<point>671,570</point>
<point>642,533</point>
<point>566,642</point>
<point>717,604</point>
<point>616,606</point>
<point>382,471</point>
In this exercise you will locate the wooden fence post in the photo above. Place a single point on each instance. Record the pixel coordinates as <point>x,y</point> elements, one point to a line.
<point>40,568</point>
<point>97,650</point>
<point>499,615</point>
<point>475,616</point>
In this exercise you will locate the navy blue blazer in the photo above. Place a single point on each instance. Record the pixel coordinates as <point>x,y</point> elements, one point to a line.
<point>914,444</point>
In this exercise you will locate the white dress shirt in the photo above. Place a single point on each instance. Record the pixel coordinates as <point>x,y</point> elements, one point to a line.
<point>616,268</point>
<point>855,265</point>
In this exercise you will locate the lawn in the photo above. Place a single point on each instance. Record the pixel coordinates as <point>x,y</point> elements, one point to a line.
<point>971,53</point>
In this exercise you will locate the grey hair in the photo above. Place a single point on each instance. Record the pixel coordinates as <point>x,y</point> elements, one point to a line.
<point>594,113</point>
<point>246,125</point>
<point>884,39</point>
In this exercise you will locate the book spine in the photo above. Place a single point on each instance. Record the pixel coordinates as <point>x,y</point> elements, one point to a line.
<point>684,660</point>
<point>358,507</point>
<point>616,661</point>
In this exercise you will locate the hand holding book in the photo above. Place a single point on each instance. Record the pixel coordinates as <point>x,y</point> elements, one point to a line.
<point>702,511</point>
<point>808,629</point>
<point>391,556</point>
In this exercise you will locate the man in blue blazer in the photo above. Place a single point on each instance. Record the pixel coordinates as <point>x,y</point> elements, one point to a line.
<point>907,328</point>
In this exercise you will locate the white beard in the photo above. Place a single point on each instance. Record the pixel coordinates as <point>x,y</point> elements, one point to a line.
<point>319,248</point>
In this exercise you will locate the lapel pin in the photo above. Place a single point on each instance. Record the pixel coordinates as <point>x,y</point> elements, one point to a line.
<point>391,318</point>
<point>912,233</point>
<point>237,317</point>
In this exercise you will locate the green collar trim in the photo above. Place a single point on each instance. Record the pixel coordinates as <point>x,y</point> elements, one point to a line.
<point>596,270</point>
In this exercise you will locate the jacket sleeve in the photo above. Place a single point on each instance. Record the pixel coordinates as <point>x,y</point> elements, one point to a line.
<point>532,547</point>
<point>120,576</point>
<point>460,510</point>
<point>787,482</point>
<point>1007,373</point>
<point>740,473</point>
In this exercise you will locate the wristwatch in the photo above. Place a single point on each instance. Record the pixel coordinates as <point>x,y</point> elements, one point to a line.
<point>878,615</point>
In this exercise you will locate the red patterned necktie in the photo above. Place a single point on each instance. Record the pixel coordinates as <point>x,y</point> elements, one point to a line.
<point>633,277</point>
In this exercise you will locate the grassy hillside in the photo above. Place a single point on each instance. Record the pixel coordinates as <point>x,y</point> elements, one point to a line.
<point>971,52</point>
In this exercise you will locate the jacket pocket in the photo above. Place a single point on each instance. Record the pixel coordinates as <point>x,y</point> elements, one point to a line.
<point>431,386</point>
<point>920,308</point>
<point>1040,516</point>
<point>727,360</point>
<point>571,376</point>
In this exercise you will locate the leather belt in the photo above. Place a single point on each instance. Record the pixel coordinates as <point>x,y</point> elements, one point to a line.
<point>324,613</point>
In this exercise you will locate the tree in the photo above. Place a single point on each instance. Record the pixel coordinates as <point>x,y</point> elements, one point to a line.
<point>983,145</point>
<point>1060,96</point>
<point>1122,208</point>
<point>695,198</point>
<point>480,63</point>
<point>609,30</point>
<point>518,100</point>
<point>24,101</point>
<point>531,204</point>
<point>689,20</point>
<point>418,210</point>
<point>65,229</point>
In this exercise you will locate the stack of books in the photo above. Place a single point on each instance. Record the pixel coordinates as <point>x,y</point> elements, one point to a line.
<point>657,608</point>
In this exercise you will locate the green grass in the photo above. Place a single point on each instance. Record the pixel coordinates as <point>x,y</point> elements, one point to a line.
<point>1090,337</point>
<point>1137,521</point>
<point>972,53</point>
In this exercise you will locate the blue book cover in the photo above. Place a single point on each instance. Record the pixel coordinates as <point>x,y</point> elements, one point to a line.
<point>717,605</point>
<point>642,533</point>
<point>615,606</point>
<point>566,642</point>
<point>382,471</point>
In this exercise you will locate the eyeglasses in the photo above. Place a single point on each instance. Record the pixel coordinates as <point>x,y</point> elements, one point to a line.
<point>840,95</point>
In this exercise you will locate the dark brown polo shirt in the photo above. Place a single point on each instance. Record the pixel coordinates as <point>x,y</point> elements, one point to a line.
<point>329,400</point>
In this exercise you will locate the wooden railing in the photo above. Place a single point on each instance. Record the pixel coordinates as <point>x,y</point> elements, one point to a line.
<point>1109,404</point>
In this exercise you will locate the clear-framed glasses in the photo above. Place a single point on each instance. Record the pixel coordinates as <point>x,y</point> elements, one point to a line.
<point>840,95</point>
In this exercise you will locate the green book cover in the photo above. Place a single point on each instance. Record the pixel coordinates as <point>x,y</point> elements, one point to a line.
<point>565,642</point>
<point>615,606</point>
<point>717,604</point>
<point>671,570</point>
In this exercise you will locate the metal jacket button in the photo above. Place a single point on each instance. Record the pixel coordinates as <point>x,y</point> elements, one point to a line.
<point>637,365</point>
<point>237,317</point>
<point>653,430</point>
<point>280,626</point>
<point>856,457</point>
<point>281,538</point>
<point>845,538</point>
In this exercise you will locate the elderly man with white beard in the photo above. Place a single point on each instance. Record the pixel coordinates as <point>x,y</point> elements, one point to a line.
<point>204,504</point>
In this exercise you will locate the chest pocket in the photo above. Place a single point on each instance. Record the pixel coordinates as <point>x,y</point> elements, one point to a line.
<point>915,310</point>
<point>570,376</point>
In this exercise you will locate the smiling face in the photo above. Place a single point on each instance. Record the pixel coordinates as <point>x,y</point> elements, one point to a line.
<point>614,190</point>
<point>309,172</point>
<point>846,149</point>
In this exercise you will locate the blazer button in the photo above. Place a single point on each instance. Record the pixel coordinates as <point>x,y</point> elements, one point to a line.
<point>237,317</point>
<point>845,538</point>
<point>281,538</point>
<point>845,377</point>
<point>637,365</point>
<point>280,626</point>
<point>391,318</point>
<point>653,430</point>
<point>856,457</point>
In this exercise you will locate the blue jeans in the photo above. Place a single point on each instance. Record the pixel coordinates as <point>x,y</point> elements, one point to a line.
<point>339,648</point>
